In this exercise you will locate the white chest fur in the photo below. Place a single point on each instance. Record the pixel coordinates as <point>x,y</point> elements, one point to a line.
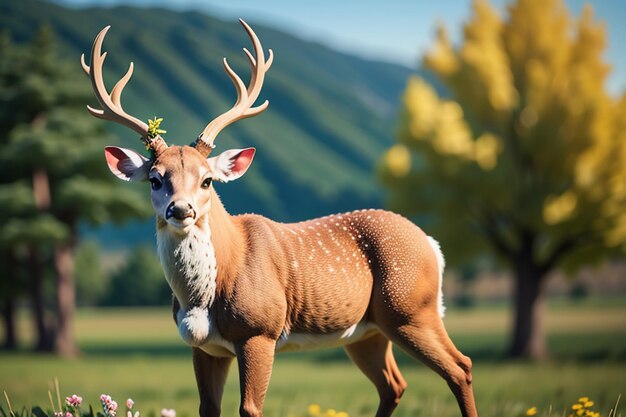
<point>190,268</point>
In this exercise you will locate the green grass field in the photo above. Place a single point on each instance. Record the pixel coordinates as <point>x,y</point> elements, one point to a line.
<point>137,354</point>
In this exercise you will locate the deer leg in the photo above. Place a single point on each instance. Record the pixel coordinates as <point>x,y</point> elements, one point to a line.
<point>426,339</point>
<point>211,373</point>
<point>374,357</point>
<point>255,357</point>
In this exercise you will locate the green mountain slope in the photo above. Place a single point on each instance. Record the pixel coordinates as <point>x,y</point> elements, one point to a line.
<point>330,114</point>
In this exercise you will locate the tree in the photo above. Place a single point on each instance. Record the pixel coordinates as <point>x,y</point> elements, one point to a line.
<point>140,282</point>
<point>92,282</point>
<point>54,147</point>
<point>524,159</point>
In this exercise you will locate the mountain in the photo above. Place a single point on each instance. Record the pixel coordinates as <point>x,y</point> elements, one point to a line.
<point>330,115</point>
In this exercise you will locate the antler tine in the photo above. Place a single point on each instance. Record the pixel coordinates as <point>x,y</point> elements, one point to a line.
<point>111,105</point>
<point>243,107</point>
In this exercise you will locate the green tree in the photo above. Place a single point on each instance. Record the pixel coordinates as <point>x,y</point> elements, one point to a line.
<point>140,282</point>
<point>50,144</point>
<point>92,282</point>
<point>526,157</point>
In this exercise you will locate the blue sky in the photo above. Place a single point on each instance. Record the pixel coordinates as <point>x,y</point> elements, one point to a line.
<point>391,30</point>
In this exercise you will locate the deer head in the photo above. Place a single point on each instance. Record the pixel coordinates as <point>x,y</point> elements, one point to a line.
<point>180,176</point>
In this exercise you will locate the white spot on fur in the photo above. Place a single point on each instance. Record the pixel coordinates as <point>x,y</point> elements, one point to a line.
<point>193,325</point>
<point>441,263</point>
<point>196,328</point>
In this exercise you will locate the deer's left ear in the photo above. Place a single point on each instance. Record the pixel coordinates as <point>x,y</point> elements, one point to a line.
<point>231,164</point>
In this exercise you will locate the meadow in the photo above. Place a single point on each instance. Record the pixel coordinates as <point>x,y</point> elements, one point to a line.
<point>136,353</point>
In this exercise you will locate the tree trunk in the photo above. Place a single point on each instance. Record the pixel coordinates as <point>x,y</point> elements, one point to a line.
<point>528,339</point>
<point>64,344</point>
<point>8,316</point>
<point>42,329</point>
<point>8,302</point>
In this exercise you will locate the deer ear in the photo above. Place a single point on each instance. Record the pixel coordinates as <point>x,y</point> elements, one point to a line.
<point>127,164</point>
<point>231,164</point>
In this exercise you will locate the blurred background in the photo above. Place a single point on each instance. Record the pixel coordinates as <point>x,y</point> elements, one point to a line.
<point>498,127</point>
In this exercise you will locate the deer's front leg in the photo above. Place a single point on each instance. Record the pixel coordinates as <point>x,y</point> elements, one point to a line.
<point>211,373</point>
<point>255,357</point>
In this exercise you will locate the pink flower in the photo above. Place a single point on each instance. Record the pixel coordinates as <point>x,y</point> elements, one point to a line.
<point>73,401</point>
<point>129,404</point>
<point>68,414</point>
<point>168,412</point>
<point>108,405</point>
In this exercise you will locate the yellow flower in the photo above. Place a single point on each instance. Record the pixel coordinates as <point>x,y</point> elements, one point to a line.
<point>589,404</point>
<point>580,412</point>
<point>314,409</point>
<point>154,127</point>
<point>577,406</point>
<point>330,413</point>
<point>583,399</point>
<point>342,414</point>
<point>531,411</point>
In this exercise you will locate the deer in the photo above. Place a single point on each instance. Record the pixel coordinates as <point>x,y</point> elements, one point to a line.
<point>246,287</point>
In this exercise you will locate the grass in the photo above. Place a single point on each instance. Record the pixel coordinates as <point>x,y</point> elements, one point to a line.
<point>136,353</point>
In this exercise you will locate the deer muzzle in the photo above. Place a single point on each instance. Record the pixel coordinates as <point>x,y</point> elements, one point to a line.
<point>181,211</point>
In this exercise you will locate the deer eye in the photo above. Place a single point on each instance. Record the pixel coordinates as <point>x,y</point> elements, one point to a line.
<point>155,183</point>
<point>206,183</point>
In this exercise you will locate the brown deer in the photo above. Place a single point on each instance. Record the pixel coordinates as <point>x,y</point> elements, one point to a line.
<point>247,287</point>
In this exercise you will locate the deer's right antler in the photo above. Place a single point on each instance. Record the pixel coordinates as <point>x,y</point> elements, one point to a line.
<point>111,103</point>
<point>246,96</point>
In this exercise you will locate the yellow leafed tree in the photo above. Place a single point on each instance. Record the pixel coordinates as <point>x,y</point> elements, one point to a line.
<point>523,157</point>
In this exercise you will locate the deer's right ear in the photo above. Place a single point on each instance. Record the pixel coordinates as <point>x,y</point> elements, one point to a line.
<point>127,164</point>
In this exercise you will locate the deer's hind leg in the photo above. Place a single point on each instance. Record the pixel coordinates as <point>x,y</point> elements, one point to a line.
<point>425,338</point>
<point>374,357</point>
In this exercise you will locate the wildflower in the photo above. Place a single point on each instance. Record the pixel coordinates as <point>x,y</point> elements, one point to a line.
<point>154,129</point>
<point>73,401</point>
<point>588,404</point>
<point>168,412</point>
<point>531,411</point>
<point>330,413</point>
<point>108,405</point>
<point>314,409</point>
<point>342,414</point>
<point>68,414</point>
<point>583,399</point>
<point>129,404</point>
<point>577,406</point>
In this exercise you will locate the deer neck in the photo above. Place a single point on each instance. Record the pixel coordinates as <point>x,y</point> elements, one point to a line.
<point>191,261</point>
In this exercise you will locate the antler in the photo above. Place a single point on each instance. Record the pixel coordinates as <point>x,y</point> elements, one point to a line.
<point>111,103</point>
<point>245,96</point>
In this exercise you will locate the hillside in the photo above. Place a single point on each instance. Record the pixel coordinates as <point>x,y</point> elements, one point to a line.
<point>330,114</point>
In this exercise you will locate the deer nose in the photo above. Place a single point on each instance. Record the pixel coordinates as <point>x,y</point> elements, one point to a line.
<point>180,210</point>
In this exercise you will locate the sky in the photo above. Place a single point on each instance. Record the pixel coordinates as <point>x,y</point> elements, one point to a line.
<point>397,31</point>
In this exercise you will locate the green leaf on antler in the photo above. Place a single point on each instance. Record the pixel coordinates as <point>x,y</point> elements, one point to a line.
<point>153,127</point>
